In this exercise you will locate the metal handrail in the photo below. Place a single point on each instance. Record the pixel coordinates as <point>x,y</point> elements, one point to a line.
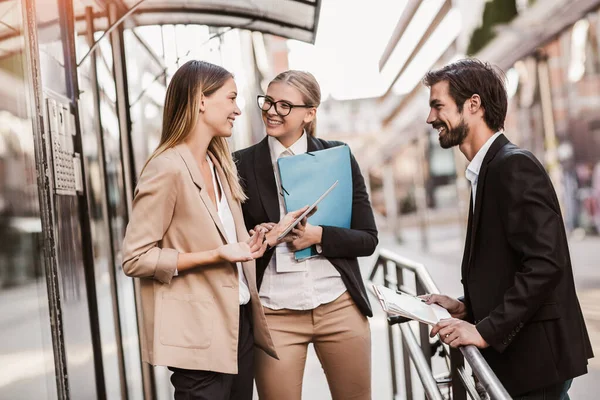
<point>421,364</point>
<point>418,354</point>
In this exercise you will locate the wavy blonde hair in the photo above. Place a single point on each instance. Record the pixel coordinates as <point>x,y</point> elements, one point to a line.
<point>308,86</point>
<point>181,113</point>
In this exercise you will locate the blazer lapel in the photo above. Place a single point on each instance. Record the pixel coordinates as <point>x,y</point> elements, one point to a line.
<point>194,171</point>
<point>249,267</point>
<point>265,179</point>
<point>499,143</point>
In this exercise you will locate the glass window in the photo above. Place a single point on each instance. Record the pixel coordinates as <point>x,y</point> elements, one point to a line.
<point>27,368</point>
<point>103,260</point>
<point>117,214</point>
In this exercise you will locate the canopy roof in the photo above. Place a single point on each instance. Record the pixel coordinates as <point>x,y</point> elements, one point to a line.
<point>294,19</point>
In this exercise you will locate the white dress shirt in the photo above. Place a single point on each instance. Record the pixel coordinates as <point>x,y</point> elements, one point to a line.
<point>229,225</point>
<point>472,172</point>
<point>291,284</point>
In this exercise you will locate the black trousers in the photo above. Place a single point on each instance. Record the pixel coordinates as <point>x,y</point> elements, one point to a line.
<point>209,385</point>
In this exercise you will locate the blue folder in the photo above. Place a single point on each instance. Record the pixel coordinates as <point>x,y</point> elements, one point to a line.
<point>305,177</point>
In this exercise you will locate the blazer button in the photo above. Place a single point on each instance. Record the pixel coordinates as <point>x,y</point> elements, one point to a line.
<point>521,324</point>
<point>504,342</point>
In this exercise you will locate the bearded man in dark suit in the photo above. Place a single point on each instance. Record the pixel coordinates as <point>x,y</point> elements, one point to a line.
<point>520,306</point>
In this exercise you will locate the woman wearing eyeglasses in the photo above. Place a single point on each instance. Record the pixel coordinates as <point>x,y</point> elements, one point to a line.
<point>321,300</point>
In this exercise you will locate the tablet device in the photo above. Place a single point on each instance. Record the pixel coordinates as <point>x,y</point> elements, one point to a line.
<point>305,213</point>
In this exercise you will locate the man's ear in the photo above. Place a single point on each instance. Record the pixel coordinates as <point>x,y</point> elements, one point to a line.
<point>311,114</point>
<point>474,103</point>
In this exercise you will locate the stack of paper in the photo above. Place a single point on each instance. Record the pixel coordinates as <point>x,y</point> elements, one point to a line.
<point>409,306</point>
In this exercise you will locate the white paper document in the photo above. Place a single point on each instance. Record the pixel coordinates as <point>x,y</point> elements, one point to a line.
<point>409,306</point>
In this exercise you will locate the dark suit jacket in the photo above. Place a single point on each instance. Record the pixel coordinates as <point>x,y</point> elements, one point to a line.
<point>517,275</point>
<point>340,246</point>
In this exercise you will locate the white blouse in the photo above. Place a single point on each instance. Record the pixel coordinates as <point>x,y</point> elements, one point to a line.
<point>290,284</point>
<point>229,225</point>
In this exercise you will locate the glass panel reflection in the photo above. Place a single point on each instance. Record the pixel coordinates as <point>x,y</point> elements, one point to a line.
<point>117,210</point>
<point>75,311</point>
<point>27,368</point>
<point>104,277</point>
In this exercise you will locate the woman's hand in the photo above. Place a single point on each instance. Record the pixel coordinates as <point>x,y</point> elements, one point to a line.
<point>249,250</point>
<point>257,243</point>
<point>312,236</point>
<point>277,229</point>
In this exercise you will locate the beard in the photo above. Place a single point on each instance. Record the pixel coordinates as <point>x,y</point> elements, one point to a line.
<point>452,137</point>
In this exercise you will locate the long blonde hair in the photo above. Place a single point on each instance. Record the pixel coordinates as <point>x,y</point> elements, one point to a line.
<point>180,115</point>
<point>308,86</point>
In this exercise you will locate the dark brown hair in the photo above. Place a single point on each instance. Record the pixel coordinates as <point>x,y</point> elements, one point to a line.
<point>471,76</point>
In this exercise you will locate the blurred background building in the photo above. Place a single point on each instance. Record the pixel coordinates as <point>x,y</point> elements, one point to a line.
<point>82,85</point>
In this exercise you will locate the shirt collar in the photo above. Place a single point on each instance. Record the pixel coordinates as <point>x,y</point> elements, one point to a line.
<point>277,149</point>
<point>472,172</point>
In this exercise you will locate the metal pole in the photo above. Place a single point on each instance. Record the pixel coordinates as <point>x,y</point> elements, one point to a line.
<point>37,110</point>
<point>405,356</point>
<point>484,373</point>
<point>120,74</point>
<point>89,19</point>
<point>67,22</point>
<point>457,361</point>
<point>429,383</point>
<point>391,340</point>
<point>424,328</point>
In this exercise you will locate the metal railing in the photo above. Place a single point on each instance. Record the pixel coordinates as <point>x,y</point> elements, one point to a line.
<point>421,352</point>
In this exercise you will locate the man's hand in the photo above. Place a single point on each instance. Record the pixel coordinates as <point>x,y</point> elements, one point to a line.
<point>455,333</point>
<point>456,308</point>
<point>312,235</point>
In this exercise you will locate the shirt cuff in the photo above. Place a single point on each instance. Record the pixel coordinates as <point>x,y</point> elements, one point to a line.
<point>319,248</point>
<point>176,272</point>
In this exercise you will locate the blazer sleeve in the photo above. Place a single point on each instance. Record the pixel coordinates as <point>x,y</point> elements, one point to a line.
<point>531,220</point>
<point>153,207</point>
<point>361,239</point>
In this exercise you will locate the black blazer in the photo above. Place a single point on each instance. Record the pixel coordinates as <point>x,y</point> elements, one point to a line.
<point>340,246</point>
<point>517,275</point>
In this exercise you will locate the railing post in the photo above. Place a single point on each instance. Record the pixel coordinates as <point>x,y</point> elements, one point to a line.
<point>405,354</point>
<point>375,269</point>
<point>390,332</point>
<point>423,328</point>
<point>457,361</point>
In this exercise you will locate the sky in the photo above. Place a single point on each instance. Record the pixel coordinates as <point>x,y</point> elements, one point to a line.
<point>352,36</point>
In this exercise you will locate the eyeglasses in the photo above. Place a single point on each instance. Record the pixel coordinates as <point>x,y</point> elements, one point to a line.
<point>282,108</point>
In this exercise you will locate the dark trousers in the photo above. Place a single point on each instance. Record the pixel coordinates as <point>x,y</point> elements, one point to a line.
<point>553,392</point>
<point>209,385</point>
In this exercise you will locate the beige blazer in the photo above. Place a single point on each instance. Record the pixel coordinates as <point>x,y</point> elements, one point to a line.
<point>190,320</point>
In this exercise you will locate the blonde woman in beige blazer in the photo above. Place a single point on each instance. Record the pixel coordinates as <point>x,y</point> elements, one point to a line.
<point>187,242</point>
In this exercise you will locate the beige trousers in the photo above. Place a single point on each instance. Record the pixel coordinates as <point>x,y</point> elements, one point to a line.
<point>342,340</point>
